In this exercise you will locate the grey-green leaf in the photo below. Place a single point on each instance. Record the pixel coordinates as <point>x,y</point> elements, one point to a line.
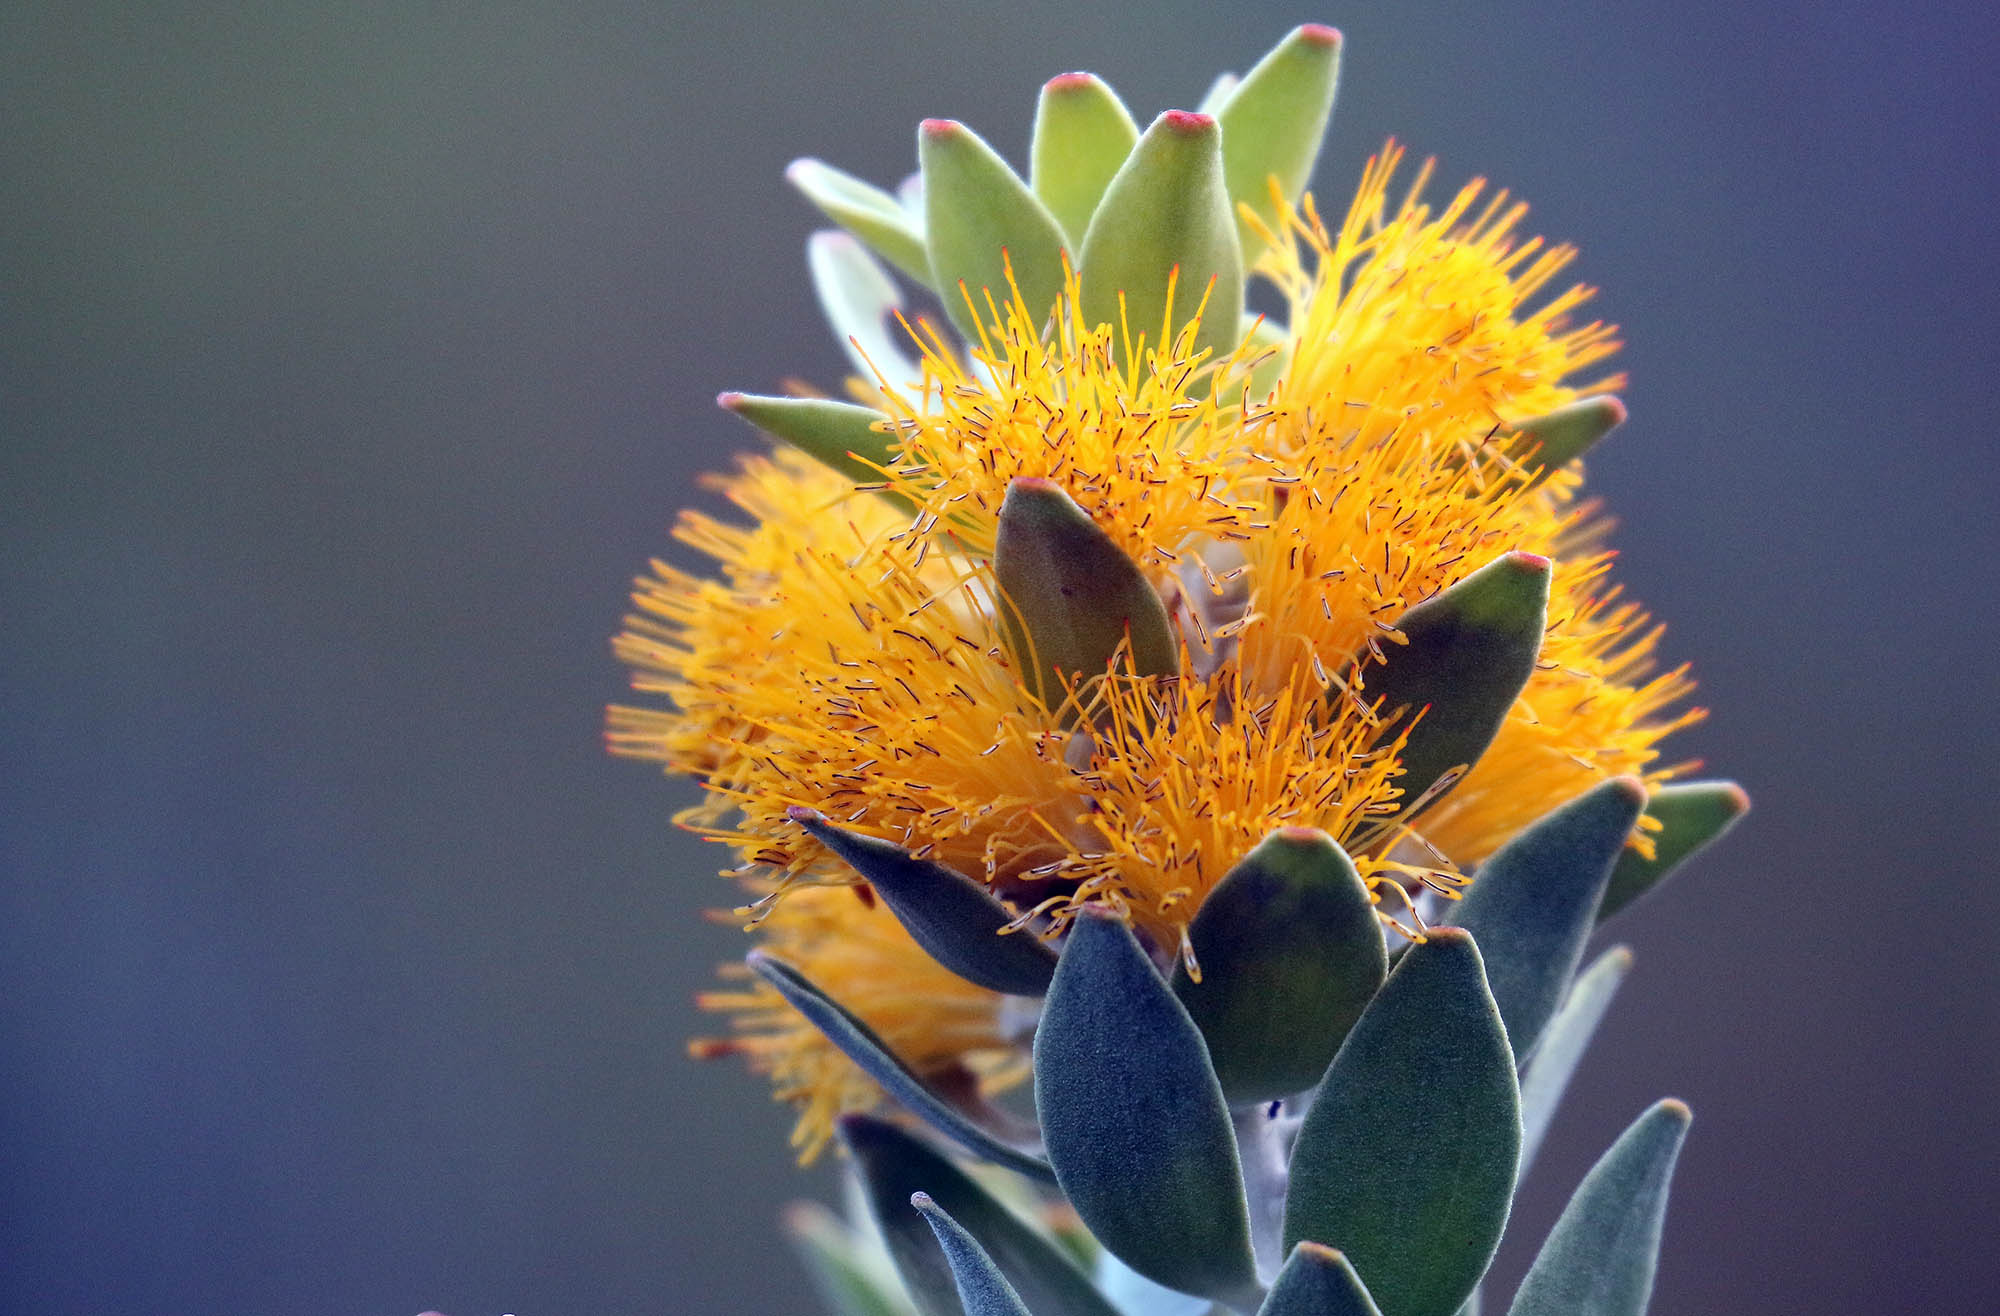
<point>1600,1257</point>
<point>1551,442</point>
<point>982,1289</point>
<point>1273,121</point>
<point>1135,1121</point>
<point>1083,132</point>
<point>1534,901</point>
<point>839,434</point>
<point>1470,650</point>
<point>867,212</point>
<point>1166,210</point>
<point>1692,815</point>
<point>1318,1281</point>
<point>1406,1161</point>
<point>954,918</point>
<point>1563,1045</point>
<point>838,1265</point>
<point>1072,597</point>
<point>894,1165</point>
<point>859,299</point>
<point>980,218</point>
<point>861,1044</point>
<point>1290,952</point>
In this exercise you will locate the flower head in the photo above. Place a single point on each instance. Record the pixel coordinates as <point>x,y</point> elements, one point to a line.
<point>1287,495</point>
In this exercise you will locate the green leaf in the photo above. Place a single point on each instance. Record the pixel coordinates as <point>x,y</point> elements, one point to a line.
<point>1166,209</point>
<point>1599,1258</point>
<point>859,299</point>
<point>839,434</point>
<point>838,1264</point>
<point>1317,1281</point>
<point>1534,901</point>
<point>954,918</point>
<point>1135,1121</point>
<point>1470,650</point>
<point>1692,815</point>
<point>1549,443</point>
<point>1083,132</point>
<point>982,1289</point>
<point>1563,1045</point>
<point>1290,953</point>
<point>894,1165</point>
<point>1406,1160</point>
<point>1072,597</point>
<point>861,1044</point>
<point>979,217</point>
<point>867,212</point>
<point>1273,122</point>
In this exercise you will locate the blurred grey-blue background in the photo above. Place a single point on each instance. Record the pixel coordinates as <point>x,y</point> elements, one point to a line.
<point>352,357</point>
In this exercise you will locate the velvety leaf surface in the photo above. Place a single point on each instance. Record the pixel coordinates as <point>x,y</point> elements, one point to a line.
<point>867,212</point>
<point>954,918</point>
<point>1534,901</point>
<point>835,433</point>
<point>1317,1281</point>
<point>1550,442</point>
<point>1134,1119</point>
<point>1406,1161</point>
<point>980,219</point>
<point>1083,133</point>
<point>860,1043</point>
<point>1072,597</point>
<point>1470,650</point>
<point>1273,121</point>
<point>1167,209</point>
<point>1600,1257</point>
<point>1290,952</point>
<point>982,1289</point>
<point>1692,814</point>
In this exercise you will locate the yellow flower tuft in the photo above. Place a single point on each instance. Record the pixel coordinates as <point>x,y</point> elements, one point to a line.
<point>847,658</point>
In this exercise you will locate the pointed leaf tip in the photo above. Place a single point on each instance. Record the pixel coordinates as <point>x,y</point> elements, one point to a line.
<point>1165,216</point>
<point>1272,124</point>
<point>866,211</point>
<point>1534,901</point>
<point>1602,1253</point>
<point>1406,1160</point>
<point>1135,1121</point>
<point>1468,652</point>
<point>1083,133</point>
<point>1290,952</point>
<point>1549,442</point>
<point>1692,816</point>
<point>1318,1281</point>
<point>982,1289</point>
<point>1072,597</point>
<point>980,222</point>
<point>860,1043</point>
<point>954,918</point>
<point>839,435</point>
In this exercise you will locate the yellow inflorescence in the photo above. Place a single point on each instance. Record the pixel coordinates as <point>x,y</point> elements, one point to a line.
<point>847,658</point>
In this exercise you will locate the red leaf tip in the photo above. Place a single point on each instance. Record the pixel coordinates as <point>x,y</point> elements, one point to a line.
<point>1187,121</point>
<point>1319,34</point>
<point>1069,82</point>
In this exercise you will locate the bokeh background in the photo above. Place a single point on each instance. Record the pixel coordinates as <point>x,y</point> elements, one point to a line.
<point>353,357</point>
